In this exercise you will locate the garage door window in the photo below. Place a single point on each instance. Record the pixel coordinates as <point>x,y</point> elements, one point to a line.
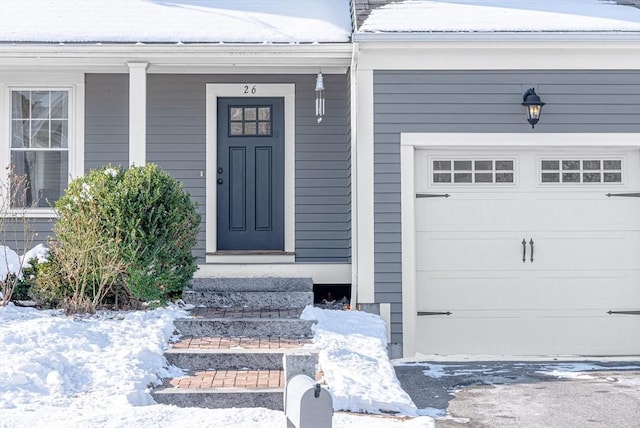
<point>580,171</point>
<point>473,171</point>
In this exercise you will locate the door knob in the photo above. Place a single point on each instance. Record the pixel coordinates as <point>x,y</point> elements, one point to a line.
<point>220,181</point>
<point>219,170</point>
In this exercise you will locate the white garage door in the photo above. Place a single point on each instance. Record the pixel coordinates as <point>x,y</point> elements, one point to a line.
<point>528,254</point>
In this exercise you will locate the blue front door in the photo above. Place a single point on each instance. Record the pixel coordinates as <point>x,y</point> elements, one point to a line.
<point>250,174</point>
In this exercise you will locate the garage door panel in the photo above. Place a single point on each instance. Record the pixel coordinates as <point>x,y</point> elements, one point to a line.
<point>439,291</point>
<point>587,289</point>
<point>471,251</point>
<point>586,257</point>
<point>581,211</point>
<point>589,333</point>
<point>586,249</point>
<point>456,334</point>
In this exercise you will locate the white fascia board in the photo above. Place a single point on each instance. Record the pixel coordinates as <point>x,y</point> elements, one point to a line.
<point>221,58</point>
<point>574,36</point>
<point>500,55</point>
<point>497,140</point>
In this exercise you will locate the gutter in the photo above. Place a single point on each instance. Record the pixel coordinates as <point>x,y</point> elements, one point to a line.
<point>354,174</point>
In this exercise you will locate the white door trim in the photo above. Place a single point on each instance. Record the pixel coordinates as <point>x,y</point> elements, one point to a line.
<point>410,141</point>
<point>214,91</point>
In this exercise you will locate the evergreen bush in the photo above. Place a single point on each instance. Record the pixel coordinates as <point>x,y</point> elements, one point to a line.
<point>121,234</point>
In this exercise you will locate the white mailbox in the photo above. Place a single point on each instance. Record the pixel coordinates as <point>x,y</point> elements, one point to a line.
<point>307,405</point>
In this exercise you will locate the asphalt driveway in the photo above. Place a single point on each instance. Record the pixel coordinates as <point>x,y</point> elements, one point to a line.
<point>526,394</point>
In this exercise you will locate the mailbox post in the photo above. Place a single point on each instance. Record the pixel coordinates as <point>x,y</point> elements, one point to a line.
<point>307,404</point>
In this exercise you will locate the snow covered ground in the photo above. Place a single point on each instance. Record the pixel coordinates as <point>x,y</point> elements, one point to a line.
<point>95,371</point>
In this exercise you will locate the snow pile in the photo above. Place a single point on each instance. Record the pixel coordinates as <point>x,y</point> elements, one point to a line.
<point>95,371</point>
<point>354,360</point>
<point>206,21</point>
<point>502,16</point>
<point>113,356</point>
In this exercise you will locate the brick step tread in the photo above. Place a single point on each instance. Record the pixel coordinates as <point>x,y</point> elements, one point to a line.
<point>224,379</point>
<point>240,343</point>
<point>245,312</point>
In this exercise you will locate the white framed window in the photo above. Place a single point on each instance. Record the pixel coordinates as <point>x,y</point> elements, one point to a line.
<point>472,171</point>
<point>581,171</point>
<point>39,146</point>
<point>42,140</point>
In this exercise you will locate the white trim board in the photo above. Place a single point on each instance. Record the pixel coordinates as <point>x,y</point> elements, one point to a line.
<point>214,91</point>
<point>412,141</point>
<point>321,273</point>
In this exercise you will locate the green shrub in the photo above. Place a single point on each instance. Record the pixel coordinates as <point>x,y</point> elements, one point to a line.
<point>122,234</point>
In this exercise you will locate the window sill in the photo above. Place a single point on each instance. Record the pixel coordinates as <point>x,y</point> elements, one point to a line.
<point>31,213</point>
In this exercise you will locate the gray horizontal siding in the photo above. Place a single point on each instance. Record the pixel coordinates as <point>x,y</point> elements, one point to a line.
<point>12,234</point>
<point>176,138</point>
<point>479,102</point>
<point>106,120</point>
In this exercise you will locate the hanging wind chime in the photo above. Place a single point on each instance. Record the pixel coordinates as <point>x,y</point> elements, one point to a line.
<point>319,97</point>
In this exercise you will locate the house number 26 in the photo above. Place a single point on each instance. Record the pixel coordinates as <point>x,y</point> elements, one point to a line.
<point>249,89</point>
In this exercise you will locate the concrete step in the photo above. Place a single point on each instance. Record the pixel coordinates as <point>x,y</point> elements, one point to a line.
<point>217,353</point>
<point>252,284</point>
<point>216,389</point>
<point>244,327</point>
<point>256,299</point>
<point>244,322</point>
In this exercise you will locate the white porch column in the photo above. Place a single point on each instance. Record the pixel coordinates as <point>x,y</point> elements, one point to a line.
<point>364,193</point>
<point>137,113</point>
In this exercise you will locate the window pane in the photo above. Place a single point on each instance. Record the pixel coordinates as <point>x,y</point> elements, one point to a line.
<point>39,133</point>
<point>59,133</point>
<point>441,165</point>
<point>39,105</point>
<point>591,164</point>
<point>462,177</point>
<point>250,113</point>
<point>550,177</point>
<point>612,164</point>
<point>504,165</point>
<point>45,174</point>
<point>264,128</point>
<point>484,177</point>
<point>570,165</point>
<point>612,177</point>
<point>20,102</point>
<point>484,165</point>
<point>59,105</point>
<point>591,177</point>
<point>264,113</point>
<point>250,128</point>
<point>20,133</point>
<point>441,178</point>
<point>550,165</point>
<point>236,128</point>
<point>462,165</point>
<point>236,113</point>
<point>504,177</point>
<point>570,177</point>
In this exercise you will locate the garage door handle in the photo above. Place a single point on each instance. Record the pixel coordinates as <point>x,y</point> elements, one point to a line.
<point>531,243</point>
<point>524,250</point>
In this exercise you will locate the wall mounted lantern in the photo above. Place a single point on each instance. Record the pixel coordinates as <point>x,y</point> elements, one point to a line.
<point>319,97</point>
<point>532,102</point>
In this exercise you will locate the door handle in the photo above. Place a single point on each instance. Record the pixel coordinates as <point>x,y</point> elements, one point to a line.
<point>220,181</point>
<point>524,250</point>
<point>220,170</point>
<point>531,243</point>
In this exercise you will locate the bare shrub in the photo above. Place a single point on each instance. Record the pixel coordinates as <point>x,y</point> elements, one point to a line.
<point>15,231</point>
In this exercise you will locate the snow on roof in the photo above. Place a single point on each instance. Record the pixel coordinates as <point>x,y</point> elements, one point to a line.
<point>173,21</point>
<point>502,16</point>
